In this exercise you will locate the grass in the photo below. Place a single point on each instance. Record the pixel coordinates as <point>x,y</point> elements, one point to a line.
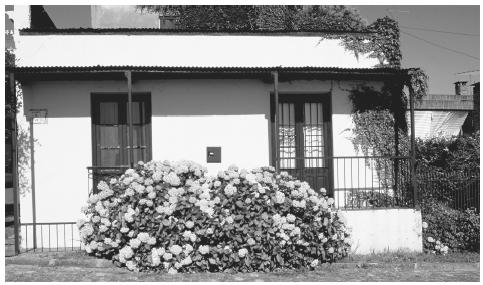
<point>411,257</point>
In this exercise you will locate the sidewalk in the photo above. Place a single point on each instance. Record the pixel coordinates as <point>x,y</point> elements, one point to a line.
<point>75,266</point>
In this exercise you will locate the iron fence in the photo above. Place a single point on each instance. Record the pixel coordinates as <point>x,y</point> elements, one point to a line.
<point>97,173</point>
<point>457,189</point>
<point>357,182</point>
<point>55,236</point>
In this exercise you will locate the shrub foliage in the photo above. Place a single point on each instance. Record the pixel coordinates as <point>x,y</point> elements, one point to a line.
<point>458,230</point>
<point>163,216</point>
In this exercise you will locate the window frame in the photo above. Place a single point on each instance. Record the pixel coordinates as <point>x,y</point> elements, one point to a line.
<point>299,99</point>
<point>121,98</point>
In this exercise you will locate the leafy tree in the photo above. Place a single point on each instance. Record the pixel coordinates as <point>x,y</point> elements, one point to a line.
<point>259,18</point>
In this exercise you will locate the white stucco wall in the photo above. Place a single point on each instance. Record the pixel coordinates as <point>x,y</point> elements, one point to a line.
<point>385,230</point>
<point>186,50</point>
<point>187,117</point>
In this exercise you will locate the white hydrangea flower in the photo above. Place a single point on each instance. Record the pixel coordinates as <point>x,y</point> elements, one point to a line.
<point>425,225</point>
<point>125,253</point>
<point>152,195</point>
<point>230,190</point>
<point>229,219</point>
<point>172,179</point>
<point>143,237</point>
<point>156,260</point>
<point>251,241</point>
<point>204,249</point>
<point>186,261</point>
<point>151,241</point>
<point>131,265</point>
<point>167,256</point>
<point>290,218</point>
<point>314,263</point>
<point>175,249</point>
<point>187,249</point>
<point>134,243</point>
<point>189,224</point>
<point>87,248</point>
<point>124,230</point>
<point>242,252</point>
<point>279,197</point>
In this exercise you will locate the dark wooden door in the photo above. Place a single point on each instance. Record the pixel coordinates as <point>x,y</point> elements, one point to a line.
<point>304,138</point>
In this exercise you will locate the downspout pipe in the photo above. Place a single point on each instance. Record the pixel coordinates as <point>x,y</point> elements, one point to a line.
<point>128,75</point>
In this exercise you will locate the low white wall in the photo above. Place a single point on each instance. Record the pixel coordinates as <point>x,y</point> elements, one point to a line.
<point>385,230</point>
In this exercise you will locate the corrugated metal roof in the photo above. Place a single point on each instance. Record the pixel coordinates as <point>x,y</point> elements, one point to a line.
<point>29,31</point>
<point>120,68</point>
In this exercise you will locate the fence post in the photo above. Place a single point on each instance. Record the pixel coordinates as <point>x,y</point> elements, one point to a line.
<point>413,152</point>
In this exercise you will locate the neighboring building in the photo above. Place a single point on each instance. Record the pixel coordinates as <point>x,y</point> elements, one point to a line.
<point>447,115</point>
<point>208,97</point>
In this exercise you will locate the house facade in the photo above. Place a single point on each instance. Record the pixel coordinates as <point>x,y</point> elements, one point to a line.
<point>96,101</point>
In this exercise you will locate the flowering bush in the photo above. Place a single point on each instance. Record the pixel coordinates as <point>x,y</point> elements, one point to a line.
<point>163,216</point>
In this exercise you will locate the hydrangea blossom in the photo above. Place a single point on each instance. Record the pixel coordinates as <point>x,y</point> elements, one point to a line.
<point>204,249</point>
<point>242,252</point>
<point>230,190</point>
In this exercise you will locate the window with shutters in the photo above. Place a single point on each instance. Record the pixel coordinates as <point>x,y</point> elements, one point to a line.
<point>110,129</point>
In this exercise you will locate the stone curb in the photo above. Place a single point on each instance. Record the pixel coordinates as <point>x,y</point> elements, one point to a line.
<point>92,262</point>
<point>88,263</point>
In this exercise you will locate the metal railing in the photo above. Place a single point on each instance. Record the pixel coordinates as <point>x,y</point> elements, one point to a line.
<point>457,189</point>
<point>357,182</point>
<point>97,173</point>
<point>55,236</point>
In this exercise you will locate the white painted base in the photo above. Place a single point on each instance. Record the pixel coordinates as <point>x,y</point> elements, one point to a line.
<point>385,230</point>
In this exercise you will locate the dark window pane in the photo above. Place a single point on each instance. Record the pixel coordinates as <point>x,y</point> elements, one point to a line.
<point>138,112</point>
<point>110,157</point>
<point>109,136</point>
<point>109,113</point>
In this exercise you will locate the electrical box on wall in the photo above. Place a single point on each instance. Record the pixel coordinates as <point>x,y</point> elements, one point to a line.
<point>213,154</point>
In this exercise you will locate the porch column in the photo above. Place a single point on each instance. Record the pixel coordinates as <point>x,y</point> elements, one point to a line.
<point>16,210</point>
<point>413,151</point>
<point>277,129</point>
<point>130,116</point>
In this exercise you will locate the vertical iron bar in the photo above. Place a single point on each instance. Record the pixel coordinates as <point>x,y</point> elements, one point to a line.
<point>42,236</point>
<point>72,235</point>
<point>57,236</point>
<point>65,247</point>
<point>49,237</point>
<point>277,130</point>
<point>26,237</point>
<point>345,189</point>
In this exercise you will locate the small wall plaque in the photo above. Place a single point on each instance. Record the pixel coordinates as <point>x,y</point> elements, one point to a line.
<point>213,154</point>
<point>39,116</point>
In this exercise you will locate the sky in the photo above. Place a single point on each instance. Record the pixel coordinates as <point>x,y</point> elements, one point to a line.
<point>441,64</point>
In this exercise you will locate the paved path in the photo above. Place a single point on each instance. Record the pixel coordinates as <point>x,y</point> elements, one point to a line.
<point>46,268</point>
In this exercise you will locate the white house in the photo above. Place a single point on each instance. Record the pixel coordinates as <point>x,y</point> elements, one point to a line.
<point>207,97</point>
